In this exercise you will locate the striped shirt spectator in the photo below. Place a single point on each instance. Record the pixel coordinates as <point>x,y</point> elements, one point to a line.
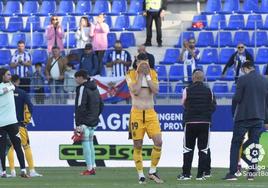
<point>118,61</point>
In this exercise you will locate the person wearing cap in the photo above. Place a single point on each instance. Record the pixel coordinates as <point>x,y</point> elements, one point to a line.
<point>119,60</point>
<point>199,104</point>
<point>249,114</point>
<point>237,59</point>
<point>89,61</point>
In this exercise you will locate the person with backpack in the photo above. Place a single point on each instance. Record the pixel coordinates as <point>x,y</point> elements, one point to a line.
<point>89,61</point>
<point>88,107</point>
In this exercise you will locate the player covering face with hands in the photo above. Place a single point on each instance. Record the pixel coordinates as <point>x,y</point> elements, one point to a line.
<point>143,85</point>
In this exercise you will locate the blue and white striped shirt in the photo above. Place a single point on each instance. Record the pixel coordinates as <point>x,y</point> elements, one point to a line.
<point>119,70</point>
<point>21,70</point>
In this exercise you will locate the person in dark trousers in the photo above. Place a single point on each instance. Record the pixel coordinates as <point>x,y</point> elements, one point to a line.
<point>9,123</point>
<point>88,107</point>
<point>249,115</point>
<point>199,104</point>
<point>154,10</point>
<point>237,59</point>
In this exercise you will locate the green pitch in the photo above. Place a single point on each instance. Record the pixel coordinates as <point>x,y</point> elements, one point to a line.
<point>122,178</point>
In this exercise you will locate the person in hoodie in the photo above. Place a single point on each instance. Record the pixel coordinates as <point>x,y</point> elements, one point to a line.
<point>88,106</point>
<point>89,61</point>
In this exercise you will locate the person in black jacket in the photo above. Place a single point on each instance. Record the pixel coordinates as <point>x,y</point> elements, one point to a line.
<point>237,59</point>
<point>249,115</point>
<point>199,104</point>
<point>88,106</point>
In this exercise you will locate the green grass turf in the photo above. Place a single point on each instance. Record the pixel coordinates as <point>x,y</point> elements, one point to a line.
<point>122,178</point>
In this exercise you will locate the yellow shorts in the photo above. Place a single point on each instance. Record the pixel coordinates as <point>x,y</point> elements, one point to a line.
<point>142,121</point>
<point>24,137</point>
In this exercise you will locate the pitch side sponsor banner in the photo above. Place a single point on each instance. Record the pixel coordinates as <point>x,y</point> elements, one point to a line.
<point>116,118</point>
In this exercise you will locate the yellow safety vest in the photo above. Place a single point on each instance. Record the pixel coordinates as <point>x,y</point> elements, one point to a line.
<point>153,4</point>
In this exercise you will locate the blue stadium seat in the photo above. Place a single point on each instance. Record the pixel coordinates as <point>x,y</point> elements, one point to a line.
<point>250,6</point>
<point>220,89</point>
<point>106,55</point>
<point>218,21</point>
<point>35,21</point>
<point>121,23</point>
<point>111,39</point>
<point>178,90</point>
<point>265,25</point>
<point>251,51</point>
<point>139,23</point>
<point>241,36</point>
<point>184,36</point>
<point>83,7</point>
<point>127,39</point>
<point>165,90</point>
<point>205,39</point>
<point>259,38</point>
<point>72,41</point>
<point>213,72</point>
<point>257,69</point>
<point>16,37</point>
<point>5,56</point>
<point>223,38</point>
<point>108,20</point>
<point>230,74</point>
<point>45,23</point>
<point>230,6</point>
<point>225,55</point>
<point>212,6</point>
<point>15,24</point>
<point>264,7</point>
<point>37,40</point>
<point>176,73</point>
<point>30,8</point>
<point>2,24</point>
<point>135,7</point>
<point>171,57</point>
<point>3,40</point>
<point>48,8</point>
<point>254,22</point>
<point>209,56</point>
<point>262,56</point>
<point>1,7</point>
<point>101,6</point>
<point>72,23</point>
<point>162,72</point>
<point>39,56</point>
<point>65,7</point>
<point>199,18</point>
<point>236,22</point>
<point>12,8</point>
<point>119,7</point>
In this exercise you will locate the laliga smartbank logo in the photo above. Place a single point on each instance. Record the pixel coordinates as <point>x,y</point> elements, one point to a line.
<point>255,154</point>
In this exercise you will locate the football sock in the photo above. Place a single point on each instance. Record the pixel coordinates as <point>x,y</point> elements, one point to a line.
<point>137,156</point>
<point>10,157</point>
<point>87,154</point>
<point>29,156</point>
<point>155,157</point>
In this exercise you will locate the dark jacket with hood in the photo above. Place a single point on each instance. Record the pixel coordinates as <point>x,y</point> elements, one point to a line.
<point>88,104</point>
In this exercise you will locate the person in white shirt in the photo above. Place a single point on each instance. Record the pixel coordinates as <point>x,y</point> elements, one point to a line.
<point>82,33</point>
<point>9,123</point>
<point>189,56</point>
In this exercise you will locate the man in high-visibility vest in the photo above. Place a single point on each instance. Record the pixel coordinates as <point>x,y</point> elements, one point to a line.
<point>154,10</point>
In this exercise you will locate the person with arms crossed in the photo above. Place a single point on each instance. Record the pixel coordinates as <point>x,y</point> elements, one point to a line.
<point>143,85</point>
<point>24,110</point>
<point>249,115</point>
<point>199,104</point>
<point>9,123</point>
<point>88,107</point>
